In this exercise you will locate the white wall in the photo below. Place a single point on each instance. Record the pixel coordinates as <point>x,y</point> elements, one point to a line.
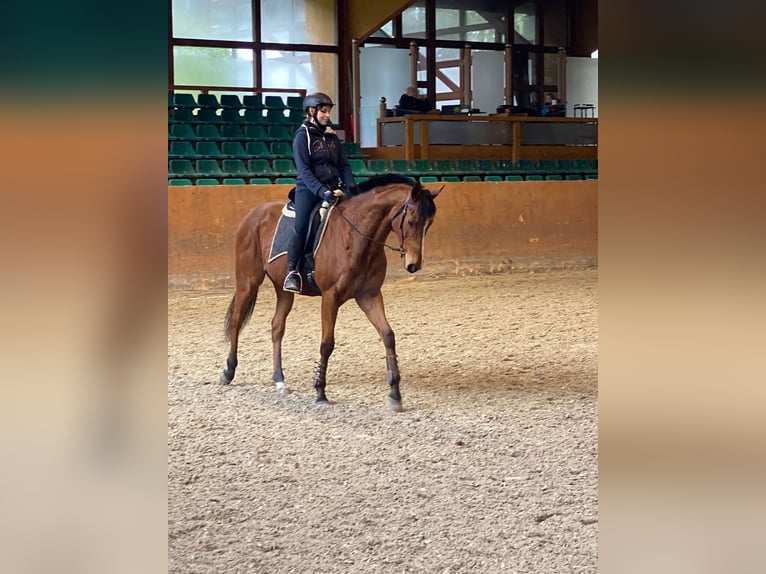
<point>383,71</point>
<point>582,83</point>
<point>487,80</point>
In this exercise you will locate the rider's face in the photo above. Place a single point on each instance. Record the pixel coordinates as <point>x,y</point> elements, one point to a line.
<point>323,114</point>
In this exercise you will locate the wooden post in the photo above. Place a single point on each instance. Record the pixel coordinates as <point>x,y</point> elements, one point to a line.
<point>409,139</point>
<point>508,75</point>
<point>413,64</point>
<point>424,151</point>
<point>516,147</point>
<point>466,78</point>
<point>562,76</point>
<point>356,102</point>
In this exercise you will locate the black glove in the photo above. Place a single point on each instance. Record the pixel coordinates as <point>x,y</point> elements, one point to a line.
<point>329,196</point>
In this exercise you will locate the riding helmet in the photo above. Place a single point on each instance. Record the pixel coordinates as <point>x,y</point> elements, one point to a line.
<point>317,99</point>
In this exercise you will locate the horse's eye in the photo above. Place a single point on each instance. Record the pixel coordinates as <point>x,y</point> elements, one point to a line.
<point>410,222</point>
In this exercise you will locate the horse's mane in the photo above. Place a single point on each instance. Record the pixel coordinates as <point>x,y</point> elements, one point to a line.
<point>426,207</point>
<point>381,180</point>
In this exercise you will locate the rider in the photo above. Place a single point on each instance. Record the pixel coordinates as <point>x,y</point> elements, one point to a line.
<point>323,172</point>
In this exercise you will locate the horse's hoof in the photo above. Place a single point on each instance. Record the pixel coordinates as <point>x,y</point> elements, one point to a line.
<point>322,403</point>
<point>224,380</point>
<point>395,405</point>
<point>283,389</point>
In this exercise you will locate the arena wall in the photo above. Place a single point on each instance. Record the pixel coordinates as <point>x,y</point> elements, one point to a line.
<point>481,227</point>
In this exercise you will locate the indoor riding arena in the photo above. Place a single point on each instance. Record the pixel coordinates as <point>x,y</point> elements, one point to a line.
<point>493,464</point>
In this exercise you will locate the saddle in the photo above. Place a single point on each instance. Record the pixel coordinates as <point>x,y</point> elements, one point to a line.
<point>313,240</point>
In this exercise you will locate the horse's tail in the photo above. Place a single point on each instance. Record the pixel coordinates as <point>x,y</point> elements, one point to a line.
<point>249,306</point>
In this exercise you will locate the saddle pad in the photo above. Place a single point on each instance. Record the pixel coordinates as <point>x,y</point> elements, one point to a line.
<point>285,228</point>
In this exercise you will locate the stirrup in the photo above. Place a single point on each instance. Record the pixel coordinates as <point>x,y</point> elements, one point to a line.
<point>293,282</point>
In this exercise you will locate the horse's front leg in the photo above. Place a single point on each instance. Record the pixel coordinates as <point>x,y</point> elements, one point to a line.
<point>278,321</point>
<point>372,305</point>
<point>329,316</point>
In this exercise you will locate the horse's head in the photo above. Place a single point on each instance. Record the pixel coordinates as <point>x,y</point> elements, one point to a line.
<point>412,223</point>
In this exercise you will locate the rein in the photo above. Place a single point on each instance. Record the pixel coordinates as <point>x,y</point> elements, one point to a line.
<point>400,213</point>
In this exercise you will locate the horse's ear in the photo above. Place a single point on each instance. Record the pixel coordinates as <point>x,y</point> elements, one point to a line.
<point>436,192</point>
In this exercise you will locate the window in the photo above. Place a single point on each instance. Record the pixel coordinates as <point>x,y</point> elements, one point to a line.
<point>213,19</point>
<point>212,66</point>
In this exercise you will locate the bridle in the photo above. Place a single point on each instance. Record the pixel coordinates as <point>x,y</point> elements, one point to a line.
<point>400,213</point>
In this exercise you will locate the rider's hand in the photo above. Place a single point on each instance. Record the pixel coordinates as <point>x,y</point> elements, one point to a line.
<point>328,195</point>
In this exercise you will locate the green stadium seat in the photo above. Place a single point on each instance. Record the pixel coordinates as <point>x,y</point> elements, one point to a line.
<point>255,117</point>
<point>235,168</point>
<point>273,102</point>
<point>182,116</point>
<point>353,151</point>
<point>553,177</point>
<point>180,181</point>
<point>208,150</point>
<point>257,133</point>
<point>185,101</point>
<point>583,166</point>
<point>208,102</point>
<point>258,150</point>
<point>450,178</point>
<point>378,166</point>
<point>284,167</point>
<point>280,133</point>
<point>591,176</point>
<point>472,178</point>
<point>210,168</point>
<point>428,179</point>
<point>548,167</point>
<point>232,132</point>
<point>442,166</point>
<point>528,167</point>
<point>534,177</point>
<point>208,117</point>
<point>506,167</point>
<point>232,117</point>
<point>486,166</point>
<point>231,102</point>
<point>277,118</point>
<point>422,167</point>
<point>572,177</point>
<point>282,150</point>
<point>296,117</point>
<point>184,132</point>
<point>403,167</point>
<point>260,168</point>
<point>182,168</point>
<point>295,103</point>
<point>209,132</point>
<point>285,180</point>
<point>233,181</point>
<point>358,168</point>
<point>465,167</point>
<point>259,181</point>
<point>253,102</point>
<point>493,178</point>
<point>234,150</point>
<point>207,181</point>
<point>181,150</point>
<point>514,177</point>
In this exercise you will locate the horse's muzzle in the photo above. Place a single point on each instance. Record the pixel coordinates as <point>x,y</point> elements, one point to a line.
<point>412,268</point>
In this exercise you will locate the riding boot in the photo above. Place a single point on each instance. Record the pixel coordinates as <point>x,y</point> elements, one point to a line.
<point>293,281</point>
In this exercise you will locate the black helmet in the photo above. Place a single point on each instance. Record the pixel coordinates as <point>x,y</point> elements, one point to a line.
<point>317,99</point>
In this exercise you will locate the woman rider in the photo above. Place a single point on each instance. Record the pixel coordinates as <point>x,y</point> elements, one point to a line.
<point>323,170</point>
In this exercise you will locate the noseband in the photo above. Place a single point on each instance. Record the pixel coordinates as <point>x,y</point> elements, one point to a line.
<point>401,213</point>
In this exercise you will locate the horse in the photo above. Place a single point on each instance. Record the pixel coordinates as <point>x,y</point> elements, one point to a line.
<point>350,263</point>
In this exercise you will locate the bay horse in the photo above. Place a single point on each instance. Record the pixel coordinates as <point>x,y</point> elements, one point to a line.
<point>350,264</point>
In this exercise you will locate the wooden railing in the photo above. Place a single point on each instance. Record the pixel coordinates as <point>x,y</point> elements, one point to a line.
<point>208,89</point>
<point>500,135</point>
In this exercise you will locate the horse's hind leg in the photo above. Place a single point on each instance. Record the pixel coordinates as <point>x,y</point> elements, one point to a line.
<point>284,305</point>
<point>240,309</point>
<point>373,307</point>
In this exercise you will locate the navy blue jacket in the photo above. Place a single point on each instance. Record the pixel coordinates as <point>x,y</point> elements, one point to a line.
<point>320,160</point>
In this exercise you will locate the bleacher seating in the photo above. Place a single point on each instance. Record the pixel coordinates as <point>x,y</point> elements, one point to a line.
<point>248,140</point>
